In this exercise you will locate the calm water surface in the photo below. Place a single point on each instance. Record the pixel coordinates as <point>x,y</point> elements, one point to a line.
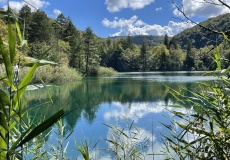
<point>142,98</point>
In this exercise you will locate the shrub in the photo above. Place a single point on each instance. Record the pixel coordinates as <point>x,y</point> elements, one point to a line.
<point>51,74</point>
<point>103,71</point>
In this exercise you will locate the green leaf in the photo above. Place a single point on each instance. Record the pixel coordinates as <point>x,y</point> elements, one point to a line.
<point>11,41</point>
<point>198,131</point>
<point>195,141</point>
<point>121,131</point>
<point>41,62</point>
<point>217,58</point>
<point>19,32</point>
<point>175,106</point>
<point>19,139</point>
<point>224,72</point>
<point>22,86</point>
<point>4,98</point>
<point>42,127</point>
<point>4,101</point>
<point>113,142</point>
<point>28,77</point>
<point>225,37</point>
<point>3,137</point>
<point>177,98</point>
<point>3,122</point>
<point>7,82</point>
<point>7,61</point>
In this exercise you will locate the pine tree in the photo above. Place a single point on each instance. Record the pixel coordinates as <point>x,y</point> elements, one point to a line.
<point>166,41</point>
<point>91,56</point>
<point>40,28</point>
<point>173,43</point>
<point>76,59</point>
<point>189,61</point>
<point>25,18</point>
<point>129,42</point>
<point>69,30</point>
<point>60,26</point>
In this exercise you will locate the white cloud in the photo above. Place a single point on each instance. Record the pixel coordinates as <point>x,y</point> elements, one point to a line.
<point>158,9</point>
<point>117,5</point>
<point>203,9</point>
<point>133,26</point>
<point>119,22</point>
<point>139,23</point>
<point>56,12</point>
<point>33,4</point>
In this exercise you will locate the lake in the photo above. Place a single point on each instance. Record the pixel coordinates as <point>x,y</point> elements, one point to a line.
<point>136,102</point>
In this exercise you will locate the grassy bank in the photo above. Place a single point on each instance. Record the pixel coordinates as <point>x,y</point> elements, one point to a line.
<point>49,74</point>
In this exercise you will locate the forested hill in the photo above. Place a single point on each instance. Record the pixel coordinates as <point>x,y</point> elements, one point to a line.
<point>201,37</point>
<point>90,55</point>
<point>149,39</point>
<point>198,36</point>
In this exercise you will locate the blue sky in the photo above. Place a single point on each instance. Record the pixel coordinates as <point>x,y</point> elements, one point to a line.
<point>123,17</point>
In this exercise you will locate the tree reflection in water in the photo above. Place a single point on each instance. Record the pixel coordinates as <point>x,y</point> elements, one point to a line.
<point>139,97</point>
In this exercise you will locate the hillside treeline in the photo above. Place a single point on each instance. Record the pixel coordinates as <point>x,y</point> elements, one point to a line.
<point>87,53</point>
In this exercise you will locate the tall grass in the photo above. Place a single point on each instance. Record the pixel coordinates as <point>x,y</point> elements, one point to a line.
<point>127,142</point>
<point>15,133</point>
<point>205,132</point>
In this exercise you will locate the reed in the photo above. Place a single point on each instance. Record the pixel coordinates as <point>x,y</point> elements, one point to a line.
<point>203,132</point>
<point>127,142</point>
<point>14,135</point>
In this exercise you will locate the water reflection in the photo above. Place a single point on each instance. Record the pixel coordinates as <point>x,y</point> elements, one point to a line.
<point>142,97</point>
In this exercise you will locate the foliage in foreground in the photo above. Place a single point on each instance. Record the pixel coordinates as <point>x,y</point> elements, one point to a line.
<point>205,132</point>
<point>16,132</point>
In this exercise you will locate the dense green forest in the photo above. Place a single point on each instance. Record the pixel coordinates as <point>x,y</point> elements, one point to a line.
<point>201,37</point>
<point>89,54</point>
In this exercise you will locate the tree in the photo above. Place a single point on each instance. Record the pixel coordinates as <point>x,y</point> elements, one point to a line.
<point>91,55</point>
<point>116,60</point>
<point>173,43</point>
<point>176,59</point>
<point>161,58</point>
<point>166,41</point>
<point>69,29</point>
<point>104,50</point>
<point>189,61</point>
<point>144,56</point>
<point>76,56</point>
<point>129,42</point>
<point>25,15</point>
<point>60,26</point>
<point>61,19</point>
<point>40,28</point>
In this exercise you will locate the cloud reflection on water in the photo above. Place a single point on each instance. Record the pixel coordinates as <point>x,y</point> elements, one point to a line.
<point>138,110</point>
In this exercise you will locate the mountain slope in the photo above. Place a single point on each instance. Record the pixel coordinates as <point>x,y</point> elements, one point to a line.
<point>201,37</point>
<point>139,39</point>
